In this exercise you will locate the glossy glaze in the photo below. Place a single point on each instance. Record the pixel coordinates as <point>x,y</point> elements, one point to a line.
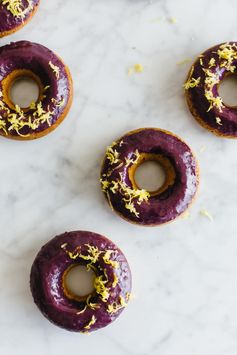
<point>9,22</point>
<point>221,121</point>
<point>46,281</point>
<point>35,58</point>
<point>162,207</point>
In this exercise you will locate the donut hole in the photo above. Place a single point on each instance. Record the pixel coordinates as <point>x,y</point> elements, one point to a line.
<point>228,90</point>
<point>79,282</point>
<point>24,91</point>
<point>150,176</point>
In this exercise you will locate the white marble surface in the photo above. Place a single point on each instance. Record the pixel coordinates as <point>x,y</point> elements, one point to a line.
<point>184,274</point>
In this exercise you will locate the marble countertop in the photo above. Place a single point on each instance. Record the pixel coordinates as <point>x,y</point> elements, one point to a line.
<point>184,274</point>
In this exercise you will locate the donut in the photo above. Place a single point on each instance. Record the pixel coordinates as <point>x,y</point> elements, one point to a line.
<point>112,283</point>
<point>136,205</point>
<point>201,89</point>
<point>14,14</point>
<point>30,60</point>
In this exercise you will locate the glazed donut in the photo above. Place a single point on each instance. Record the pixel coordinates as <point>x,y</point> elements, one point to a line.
<point>25,59</point>
<point>112,281</point>
<point>201,89</point>
<point>14,14</point>
<point>138,205</point>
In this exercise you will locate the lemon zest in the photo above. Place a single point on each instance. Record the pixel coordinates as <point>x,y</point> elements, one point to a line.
<point>212,62</point>
<point>129,195</point>
<point>108,261</point>
<point>101,289</point>
<point>192,83</point>
<point>215,101</point>
<point>207,214</point>
<point>115,307</point>
<point>63,246</point>
<point>228,53</point>
<point>55,69</point>
<point>218,121</point>
<point>91,305</point>
<point>93,254</point>
<point>112,155</point>
<point>132,160</point>
<point>16,8</point>
<point>136,68</point>
<point>83,310</point>
<point>92,322</point>
<point>115,282</point>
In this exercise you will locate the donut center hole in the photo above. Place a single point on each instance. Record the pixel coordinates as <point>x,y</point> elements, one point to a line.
<point>150,176</point>
<point>24,91</point>
<point>228,90</point>
<point>79,281</point>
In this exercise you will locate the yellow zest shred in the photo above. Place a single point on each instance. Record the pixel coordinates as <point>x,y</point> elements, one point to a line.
<point>63,246</point>
<point>228,53</point>
<point>114,187</point>
<point>101,289</point>
<point>55,69</point>
<point>207,214</point>
<point>130,195</point>
<point>108,261</point>
<point>115,282</point>
<point>192,83</point>
<point>134,159</point>
<point>83,310</point>
<point>129,297</point>
<point>115,307</point>
<point>218,121</point>
<point>112,155</point>
<point>18,120</point>
<point>93,254</point>
<point>46,88</point>
<point>92,322</point>
<point>91,305</point>
<point>16,8</point>
<point>75,254</point>
<point>58,103</point>
<point>136,68</point>
<point>211,78</point>
<point>214,101</point>
<point>104,184</point>
<point>212,62</point>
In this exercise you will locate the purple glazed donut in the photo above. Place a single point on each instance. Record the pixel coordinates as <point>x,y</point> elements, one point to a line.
<point>26,59</point>
<point>112,281</point>
<point>14,14</point>
<point>202,86</point>
<point>138,205</point>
